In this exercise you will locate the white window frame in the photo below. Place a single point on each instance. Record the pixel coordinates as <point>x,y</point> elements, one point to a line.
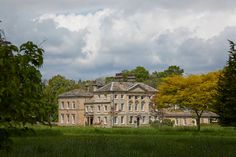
<point>142,106</point>
<point>130,107</point>
<point>116,107</point>
<point>68,118</point>
<point>62,118</point>
<point>73,118</point>
<point>144,118</point>
<point>68,105</point>
<point>122,106</point>
<point>62,105</point>
<point>115,120</point>
<point>122,120</point>
<point>73,105</point>
<point>136,107</point>
<point>131,119</point>
<point>105,120</point>
<point>105,107</point>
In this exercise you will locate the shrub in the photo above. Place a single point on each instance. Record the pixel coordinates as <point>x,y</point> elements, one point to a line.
<point>164,122</point>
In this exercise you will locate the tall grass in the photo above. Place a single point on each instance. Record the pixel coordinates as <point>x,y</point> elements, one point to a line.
<point>125,142</point>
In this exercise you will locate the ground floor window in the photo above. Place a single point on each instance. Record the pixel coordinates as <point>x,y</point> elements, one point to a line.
<point>144,119</point>
<point>115,120</point>
<point>122,119</point>
<point>105,120</point>
<point>73,119</point>
<point>176,121</point>
<point>131,119</point>
<point>68,118</point>
<point>62,118</point>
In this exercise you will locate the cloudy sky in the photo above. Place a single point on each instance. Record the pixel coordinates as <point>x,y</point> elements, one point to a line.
<point>86,39</point>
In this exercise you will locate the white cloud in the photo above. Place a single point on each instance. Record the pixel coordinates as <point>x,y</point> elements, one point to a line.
<point>90,39</point>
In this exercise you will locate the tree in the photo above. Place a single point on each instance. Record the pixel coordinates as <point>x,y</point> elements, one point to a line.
<point>156,77</point>
<point>141,74</point>
<point>170,71</point>
<point>195,92</point>
<point>56,85</point>
<point>20,86</point>
<point>226,99</point>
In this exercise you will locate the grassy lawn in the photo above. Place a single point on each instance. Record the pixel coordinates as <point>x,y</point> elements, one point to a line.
<point>124,142</point>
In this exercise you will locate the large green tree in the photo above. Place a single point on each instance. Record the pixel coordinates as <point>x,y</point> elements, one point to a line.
<point>141,74</point>
<point>20,83</point>
<point>226,104</point>
<point>55,86</point>
<point>156,77</point>
<point>196,93</point>
<point>20,86</point>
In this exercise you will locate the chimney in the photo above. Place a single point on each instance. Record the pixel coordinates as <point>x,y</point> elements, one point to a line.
<point>95,86</point>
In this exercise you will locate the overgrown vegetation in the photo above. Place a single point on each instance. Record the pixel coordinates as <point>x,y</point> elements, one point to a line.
<point>144,142</point>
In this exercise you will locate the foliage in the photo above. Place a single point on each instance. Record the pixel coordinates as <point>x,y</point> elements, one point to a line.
<point>155,78</point>
<point>226,100</point>
<point>55,86</point>
<point>164,122</point>
<point>20,87</point>
<point>195,92</point>
<point>142,142</point>
<point>20,83</point>
<point>141,74</point>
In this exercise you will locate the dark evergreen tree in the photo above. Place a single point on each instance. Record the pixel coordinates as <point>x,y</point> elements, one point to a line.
<point>226,100</point>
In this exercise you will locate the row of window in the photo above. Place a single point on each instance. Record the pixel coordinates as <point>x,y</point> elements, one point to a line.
<point>116,96</point>
<point>68,118</point>
<point>67,105</point>
<point>122,120</point>
<point>117,107</point>
<point>183,121</point>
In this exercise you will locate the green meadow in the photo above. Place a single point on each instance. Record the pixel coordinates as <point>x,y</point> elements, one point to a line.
<point>123,142</point>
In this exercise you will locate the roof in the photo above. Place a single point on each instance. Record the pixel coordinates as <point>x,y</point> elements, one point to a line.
<point>188,114</point>
<point>125,86</point>
<point>76,93</point>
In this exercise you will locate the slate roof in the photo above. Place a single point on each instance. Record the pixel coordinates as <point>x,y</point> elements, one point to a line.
<point>76,93</point>
<point>189,114</point>
<point>125,86</point>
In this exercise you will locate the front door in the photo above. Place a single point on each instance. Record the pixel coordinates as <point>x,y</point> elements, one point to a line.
<point>91,121</point>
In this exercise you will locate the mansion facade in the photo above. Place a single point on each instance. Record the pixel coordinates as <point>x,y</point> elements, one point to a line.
<point>115,104</point>
<point>119,104</point>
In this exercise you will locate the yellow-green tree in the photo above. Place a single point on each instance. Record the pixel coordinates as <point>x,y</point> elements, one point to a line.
<point>195,92</point>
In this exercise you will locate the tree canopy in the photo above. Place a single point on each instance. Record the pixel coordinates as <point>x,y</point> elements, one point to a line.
<point>226,100</point>
<point>195,92</point>
<point>20,83</point>
<point>52,88</point>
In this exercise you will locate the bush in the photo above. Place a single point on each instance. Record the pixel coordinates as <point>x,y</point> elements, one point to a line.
<point>164,122</point>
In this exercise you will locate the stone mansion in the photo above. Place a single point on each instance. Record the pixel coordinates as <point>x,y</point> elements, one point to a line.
<point>121,104</point>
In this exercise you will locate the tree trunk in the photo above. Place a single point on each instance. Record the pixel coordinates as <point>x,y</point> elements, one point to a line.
<point>198,117</point>
<point>198,123</point>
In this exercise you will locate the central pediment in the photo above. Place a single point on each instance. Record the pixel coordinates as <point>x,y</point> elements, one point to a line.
<point>137,88</point>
